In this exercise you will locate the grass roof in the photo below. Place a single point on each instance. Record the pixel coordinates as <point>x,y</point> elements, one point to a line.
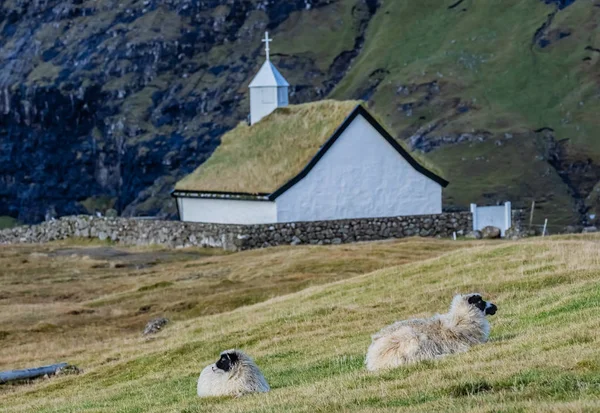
<point>262,157</point>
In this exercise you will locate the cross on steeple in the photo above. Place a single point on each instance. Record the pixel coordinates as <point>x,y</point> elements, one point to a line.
<point>266,40</point>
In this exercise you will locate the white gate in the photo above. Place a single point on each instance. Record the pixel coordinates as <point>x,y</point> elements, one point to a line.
<point>495,216</point>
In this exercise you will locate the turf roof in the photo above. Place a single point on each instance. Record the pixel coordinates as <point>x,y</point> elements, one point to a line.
<point>262,158</point>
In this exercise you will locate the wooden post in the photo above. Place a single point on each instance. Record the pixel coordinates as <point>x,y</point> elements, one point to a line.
<point>545,225</point>
<point>12,375</point>
<point>454,235</point>
<point>474,215</point>
<point>531,214</point>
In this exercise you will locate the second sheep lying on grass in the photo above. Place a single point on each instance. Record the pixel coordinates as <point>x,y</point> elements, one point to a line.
<point>234,374</point>
<point>422,339</point>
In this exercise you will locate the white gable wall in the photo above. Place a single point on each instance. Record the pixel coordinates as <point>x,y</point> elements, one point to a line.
<point>360,176</point>
<point>227,211</point>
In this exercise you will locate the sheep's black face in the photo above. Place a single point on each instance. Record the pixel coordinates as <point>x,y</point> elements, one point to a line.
<point>487,308</point>
<point>227,361</point>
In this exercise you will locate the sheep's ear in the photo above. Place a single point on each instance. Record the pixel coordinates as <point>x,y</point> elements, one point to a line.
<point>474,299</point>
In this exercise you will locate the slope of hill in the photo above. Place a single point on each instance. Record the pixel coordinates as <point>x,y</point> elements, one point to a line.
<point>502,97</point>
<point>107,103</point>
<point>84,297</point>
<point>543,352</point>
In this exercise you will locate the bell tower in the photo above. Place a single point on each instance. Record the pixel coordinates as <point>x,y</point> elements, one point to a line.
<point>268,89</point>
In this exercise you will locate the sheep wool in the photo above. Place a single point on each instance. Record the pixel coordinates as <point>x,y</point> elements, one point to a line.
<point>234,374</point>
<point>410,341</point>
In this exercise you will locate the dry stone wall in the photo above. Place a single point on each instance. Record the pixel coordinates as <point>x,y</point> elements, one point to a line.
<point>239,237</point>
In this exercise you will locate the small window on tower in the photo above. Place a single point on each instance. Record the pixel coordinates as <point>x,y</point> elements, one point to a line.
<point>267,95</point>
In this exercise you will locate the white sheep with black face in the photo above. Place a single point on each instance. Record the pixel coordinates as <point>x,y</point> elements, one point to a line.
<point>234,374</point>
<point>415,340</point>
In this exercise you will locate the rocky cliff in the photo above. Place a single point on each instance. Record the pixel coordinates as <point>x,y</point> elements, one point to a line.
<point>107,103</point>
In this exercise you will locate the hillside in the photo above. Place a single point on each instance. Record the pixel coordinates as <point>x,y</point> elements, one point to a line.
<point>502,97</point>
<point>108,104</point>
<point>543,352</point>
<point>89,296</point>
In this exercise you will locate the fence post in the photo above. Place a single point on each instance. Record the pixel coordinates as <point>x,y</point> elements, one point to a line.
<point>545,225</point>
<point>531,214</point>
<point>507,215</point>
<point>474,213</point>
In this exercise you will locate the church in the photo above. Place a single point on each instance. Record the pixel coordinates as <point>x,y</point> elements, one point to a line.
<point>325,160</point>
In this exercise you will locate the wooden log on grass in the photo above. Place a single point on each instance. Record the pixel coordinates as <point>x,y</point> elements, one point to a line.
<point>12,375</point>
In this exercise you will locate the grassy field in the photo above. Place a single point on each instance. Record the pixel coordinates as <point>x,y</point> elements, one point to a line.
<point>543,352</point>
<point>78,297</point>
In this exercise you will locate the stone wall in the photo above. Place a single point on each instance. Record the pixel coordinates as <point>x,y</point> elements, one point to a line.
<point>239,237</point>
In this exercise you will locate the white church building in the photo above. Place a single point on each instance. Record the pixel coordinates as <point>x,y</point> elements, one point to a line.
<point>357,171</point>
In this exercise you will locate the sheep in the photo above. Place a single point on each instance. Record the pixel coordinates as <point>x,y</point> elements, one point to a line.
<point>234,374</point>
<point>410,341</point>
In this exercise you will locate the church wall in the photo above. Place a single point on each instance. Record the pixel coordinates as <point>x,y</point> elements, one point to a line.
<point>360,176</point>
<point>223,211</point>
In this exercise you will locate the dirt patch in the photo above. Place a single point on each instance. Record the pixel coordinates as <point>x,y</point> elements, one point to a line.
<point>118,258</point>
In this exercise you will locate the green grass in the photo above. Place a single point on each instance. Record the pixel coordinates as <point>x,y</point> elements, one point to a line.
<point>97,293</point>
<point>8,222</point>
<point>483,56</point>
<point>500,175</point>
<point>542,355</point>
<point>332,29</point>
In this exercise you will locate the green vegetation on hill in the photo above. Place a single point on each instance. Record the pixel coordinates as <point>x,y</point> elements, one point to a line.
<point>8,222</point>
<point>543,353</point>
<point>484,55</point>
<point>332,28</point>
<point>496,172</point>
<point>480,68</point>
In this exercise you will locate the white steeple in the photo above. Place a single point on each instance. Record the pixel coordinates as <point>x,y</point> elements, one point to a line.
<point>268,89</point>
